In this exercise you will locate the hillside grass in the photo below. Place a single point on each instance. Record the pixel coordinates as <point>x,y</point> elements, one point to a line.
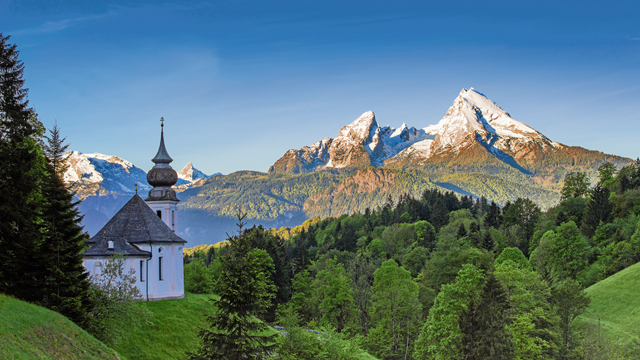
<point>29,331</point>
<point>172,330</point>
<point>616,302</point>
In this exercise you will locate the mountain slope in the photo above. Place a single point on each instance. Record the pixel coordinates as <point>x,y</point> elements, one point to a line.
<point>475,135</point>
<point>32,332</point>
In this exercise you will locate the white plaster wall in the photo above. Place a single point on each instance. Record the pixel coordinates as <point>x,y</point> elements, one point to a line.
<point>132,262</point>
<point>172,284</point>
<point>167,207</point>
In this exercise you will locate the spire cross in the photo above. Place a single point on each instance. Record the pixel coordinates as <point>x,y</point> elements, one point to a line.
<point>162,122</point>
<point>136,184</point>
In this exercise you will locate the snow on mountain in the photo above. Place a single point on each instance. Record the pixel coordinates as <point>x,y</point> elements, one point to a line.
<point>190,177</point>
<point>191,174</point>
<point>361,143</point>
<point>98,174</point>
<point>473,119</point>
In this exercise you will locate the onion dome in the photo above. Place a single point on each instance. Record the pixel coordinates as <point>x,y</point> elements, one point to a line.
<point>162,176</point>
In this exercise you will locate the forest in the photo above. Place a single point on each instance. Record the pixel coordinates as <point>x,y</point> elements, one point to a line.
<point>446,277</point>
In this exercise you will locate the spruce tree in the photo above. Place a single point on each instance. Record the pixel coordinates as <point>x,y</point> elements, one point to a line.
<point>55,149</point>
<point>21,171</point>
<point>487,241</point>
<point>66,287</point>
<point>484,335</point>
<point>246,289</point>
<point>599,209</point>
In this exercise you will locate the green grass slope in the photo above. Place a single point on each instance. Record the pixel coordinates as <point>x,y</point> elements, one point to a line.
<point>616,301</point>
<point>172,330</point>
<point>32,332</point>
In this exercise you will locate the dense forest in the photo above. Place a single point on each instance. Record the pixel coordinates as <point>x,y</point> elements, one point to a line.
<point>448,277</point>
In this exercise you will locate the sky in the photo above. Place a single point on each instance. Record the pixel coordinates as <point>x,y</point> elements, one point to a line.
<point>241,82</point>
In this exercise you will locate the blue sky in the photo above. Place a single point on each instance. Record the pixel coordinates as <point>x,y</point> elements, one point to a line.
<point>241,82</point>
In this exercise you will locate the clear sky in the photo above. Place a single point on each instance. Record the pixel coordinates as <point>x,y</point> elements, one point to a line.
<point>241,82</point>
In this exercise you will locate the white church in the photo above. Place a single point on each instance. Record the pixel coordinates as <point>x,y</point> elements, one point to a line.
<point>144,232</point>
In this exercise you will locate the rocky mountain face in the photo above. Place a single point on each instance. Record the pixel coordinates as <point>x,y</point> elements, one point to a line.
<point>190,177</point>
<point>475,135</point>
<point>359,144</point>
<point>99,175</point>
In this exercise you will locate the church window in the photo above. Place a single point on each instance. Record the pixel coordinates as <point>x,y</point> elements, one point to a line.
<point>173,220</point>
<point>159,212</point>
<point>160,268</point>
<point>97,269</point>
<point>141,270</point>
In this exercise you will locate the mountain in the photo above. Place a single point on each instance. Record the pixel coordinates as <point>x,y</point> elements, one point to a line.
<point>359,144</point>
<point>190,177</point>
<point>105,183</point>
<point>476,149</point>
<point>475,135</point>
<point>98,175</point>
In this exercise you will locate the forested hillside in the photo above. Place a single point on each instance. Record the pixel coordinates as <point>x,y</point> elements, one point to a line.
<point>449,277</point>
<point>276,200</point>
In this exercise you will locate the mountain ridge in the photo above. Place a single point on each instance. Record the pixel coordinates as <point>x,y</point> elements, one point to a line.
<point>474,131</point>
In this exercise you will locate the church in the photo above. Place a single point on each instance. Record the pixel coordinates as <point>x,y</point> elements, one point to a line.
<point>144,232</point>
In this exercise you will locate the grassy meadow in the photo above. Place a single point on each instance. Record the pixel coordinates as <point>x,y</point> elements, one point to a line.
<point>616,302</point>
<point>32,332</point>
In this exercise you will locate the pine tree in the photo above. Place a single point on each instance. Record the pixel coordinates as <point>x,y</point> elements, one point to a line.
<point>483,325</point>
<point>21,171</point>
<point>66,286</point>
<point>599,209</point>
<point>487,241</point>
<point>462,231</point>
<point>246,289</point>
<point>55,149</point>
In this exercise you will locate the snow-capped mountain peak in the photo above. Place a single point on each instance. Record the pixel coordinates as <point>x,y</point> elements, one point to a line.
<point>191,174</point>
<point>104,173</point>
<point>473,119</point>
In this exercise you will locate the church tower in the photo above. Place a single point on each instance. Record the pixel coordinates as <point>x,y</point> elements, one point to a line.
<point>162,198</point>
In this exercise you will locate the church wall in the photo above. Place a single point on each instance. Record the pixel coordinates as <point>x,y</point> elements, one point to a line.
<point>168,212</point>
<point>95,266</point>
<point>172,284</point>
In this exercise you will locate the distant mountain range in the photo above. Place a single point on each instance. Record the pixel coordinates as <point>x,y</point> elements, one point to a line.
<point>105,182</point>
<point>475,135</point>
<point>477,149</point>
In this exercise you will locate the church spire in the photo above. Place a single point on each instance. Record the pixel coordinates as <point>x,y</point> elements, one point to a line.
<point>162,157</point>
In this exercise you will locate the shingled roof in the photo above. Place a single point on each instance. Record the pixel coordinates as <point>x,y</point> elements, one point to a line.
<point>135,223</point>
<point>120,246</point>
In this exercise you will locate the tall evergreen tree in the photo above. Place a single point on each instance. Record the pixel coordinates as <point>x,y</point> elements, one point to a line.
<point>55,149</point>
<point>598,209</point>
<point>66,285</point>
<point>483,325</point>
<point>246,291</point>
<point>21,171</point>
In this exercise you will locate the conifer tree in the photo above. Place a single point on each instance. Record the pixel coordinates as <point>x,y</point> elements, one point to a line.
<point>246,289</point>
<point>487,241</point>
<point>55,149</point>
<point>66,286</point>
<point>21,170</point>
<point>599,209</point>
<point>462,231</point>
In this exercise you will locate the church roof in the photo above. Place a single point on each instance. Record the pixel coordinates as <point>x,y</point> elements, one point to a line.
<point>162,157</point>
<point>120,246</point>
<point>135,223</point>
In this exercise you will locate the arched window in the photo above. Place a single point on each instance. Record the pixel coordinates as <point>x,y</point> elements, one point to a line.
<point>159,212</point>
<point>141,270</point>
<point>160,268</point>
<point>173,220</point>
